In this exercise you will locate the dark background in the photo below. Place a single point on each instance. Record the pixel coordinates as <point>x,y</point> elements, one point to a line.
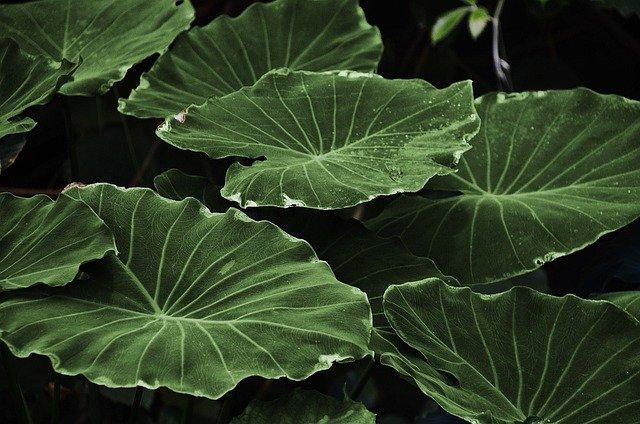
<point>565,45</point>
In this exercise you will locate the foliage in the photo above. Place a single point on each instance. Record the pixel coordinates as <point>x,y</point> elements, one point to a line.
<point>378,210</point>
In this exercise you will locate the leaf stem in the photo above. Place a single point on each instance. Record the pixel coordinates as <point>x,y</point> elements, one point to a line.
<point>6,358</point>
<point>500,66</point>
<point>362,381</point>
<point>55,407</point>
<point>71,141</point>
<point>127,134</point>
<point>135,406</point>
<point>187,412</point>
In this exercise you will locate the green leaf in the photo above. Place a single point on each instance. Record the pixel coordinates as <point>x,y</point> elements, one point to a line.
<point>212,298</point>
<point>176,185</point>
<point>305,406</point>
<point>42,241</point>
<point>516,357</point>
<point>628,301</point>
<point>105,37</point>
<point>478,20</point>
<point>26,81</point>
<point>10,148</point>
<point>550,172</point>
<point>448,22</point>
<point>331,140</point>
<point>230,53</point>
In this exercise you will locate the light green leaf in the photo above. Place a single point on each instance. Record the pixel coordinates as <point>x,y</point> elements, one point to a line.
<point>331,140</point>
<point>176,185</point>
<point>550,172</point>
<point>516,357</point>
<point>212,298</point>
<point>230,53</point>
<point>478,20</point>
<point>26,80</point>
<point>106,37</point>
<point>448,22</point>
<point>42,241</point>
<point>305,407</point>
<point>628,301</point>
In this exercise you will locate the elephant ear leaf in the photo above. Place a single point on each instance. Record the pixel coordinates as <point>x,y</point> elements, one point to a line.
<point>484,359</point>
<point>106,38</point>
<point>305,406</point>
<point>214,297</point>
<point>331,140</point>
<point>230,53</point>
<point>42,241</point>
<point>550,173</point>
<point>26,81</point>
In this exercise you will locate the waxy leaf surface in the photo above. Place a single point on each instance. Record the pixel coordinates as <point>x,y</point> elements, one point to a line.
<point>230,53</point>
<point>516,357</point>
<point>305,406</point>
<point>106,37</point>
<point>331,140</point>
<point>42,241</point>
<point>549,173</point>
<point>195,301</point>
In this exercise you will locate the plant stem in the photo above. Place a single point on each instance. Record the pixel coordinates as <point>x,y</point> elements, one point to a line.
<point>187,412</point>
<point>500,66</point>
<point>71,140</point>
<point>362,381</point>
<point>14,386</point>
<point>127,134</point>
<point>55,407</point>
<point>225,409</point>
<point>135,406</point>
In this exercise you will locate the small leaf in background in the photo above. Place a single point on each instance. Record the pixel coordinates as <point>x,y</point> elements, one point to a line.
<point>194,301</point>
<point>478,20</point>
<point>10,148</point>
<point>447,23</point>
<point>106,38</point>
<point>515,357</point>
<point>305,406</point>
<point>551,172</point>
<point>331,140</point>
<point>230,53</point>
<point>42,241</point>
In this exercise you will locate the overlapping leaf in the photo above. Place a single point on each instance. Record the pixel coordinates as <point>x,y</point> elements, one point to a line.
<point>194,301</point>
<point>628,301</point>
<point>550,172</point>
<point>106,37</point>
<point>42,241</point>
<point>229,53</point>
<point>331,140</point>
<point>26,80</point>
<point>305,406</point>
<point>176,185</point>
<point>515,357</point>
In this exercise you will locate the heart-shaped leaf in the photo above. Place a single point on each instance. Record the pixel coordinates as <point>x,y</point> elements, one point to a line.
<point>331,140</point>
<point>105,37</point>
<point>305,406</point>
<point>516,357</point>
<point>229,53</point>
<point>42,241</point>
<point>213,298</point>
<point>550,172</point>
<point>26,80</point>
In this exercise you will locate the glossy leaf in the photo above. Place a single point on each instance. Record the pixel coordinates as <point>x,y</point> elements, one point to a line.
<point>212,298</point>
<point>26,80</point>
<point>106,38</point>
<point>550,172</point>
<point>230,53</point>
<point>305,406</point>
<point>42,241</point>
<point>331,140</point>
<point>516,357</point>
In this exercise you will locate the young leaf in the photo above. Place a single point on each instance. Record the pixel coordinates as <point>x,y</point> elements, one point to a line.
<point>195,301</point>
<point>447,23</point>
<point>478,20</point>
<point>106,38</point>
<point>305,406</point>
<point>550,172</point>
<point>331,140</point>
<point>26,80</point>
<point>515,357</point>
<point>230,53</point>
<point>42,241</point>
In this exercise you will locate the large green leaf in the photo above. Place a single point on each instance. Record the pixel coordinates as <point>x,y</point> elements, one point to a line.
<point>25,80</point>
<point>106,37</point>
<point>305,407</point>
<point>195,301</point>
<point>516,357</point>
<point>550,172</point>
<point>42,241</point>
<point>229,53</point>
<point>331,140</point>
